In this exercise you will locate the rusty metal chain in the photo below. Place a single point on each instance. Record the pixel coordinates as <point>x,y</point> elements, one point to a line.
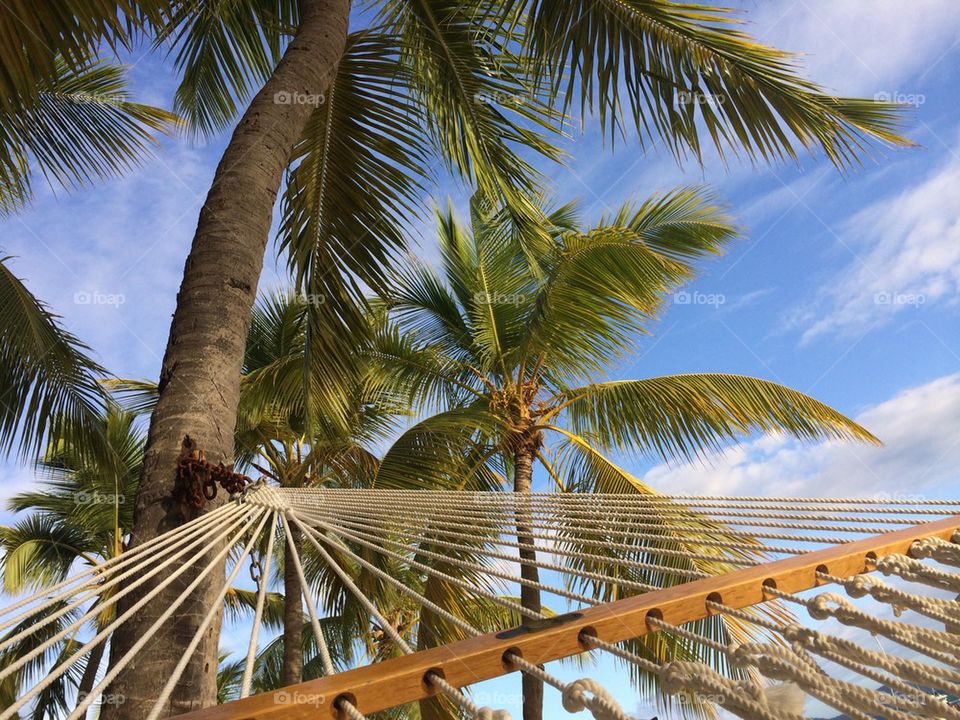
<point>198,480</point>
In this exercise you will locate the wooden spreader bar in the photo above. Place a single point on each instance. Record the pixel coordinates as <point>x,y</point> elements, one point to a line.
<point>401,680</point>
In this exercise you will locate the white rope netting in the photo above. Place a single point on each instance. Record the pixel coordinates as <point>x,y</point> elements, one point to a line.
<point>630,543</point>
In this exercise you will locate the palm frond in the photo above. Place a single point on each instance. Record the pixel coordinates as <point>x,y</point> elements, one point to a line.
<point>76,127</point>
<point>692,77</point>
<point>224,50</point>
<point>40,551</point>
<point>421,376</point>
<point>53,701</point>
<point>48,385</point>
<point>138,397</point>
<point>684,224</point>
<point>478,107</point>
<point>604,288</point>
<point>448,450</point>
<point>686,416</point>
<point>38,37</point>
<point>350,198</point>
<point>239,604</point>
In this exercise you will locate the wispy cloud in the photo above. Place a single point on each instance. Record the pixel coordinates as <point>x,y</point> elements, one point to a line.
<point>862,47</point>
<point>109,259</point>
<point>907,255</point>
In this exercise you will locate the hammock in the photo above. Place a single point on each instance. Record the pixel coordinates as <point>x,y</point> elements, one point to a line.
<point>673,560</point>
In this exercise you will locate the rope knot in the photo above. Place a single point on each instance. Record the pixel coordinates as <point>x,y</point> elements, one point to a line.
<point>677,676</point>
<point>859,585</point>
<point>601,705</point>
<point>798,634</point>
<point>940,550</point>
<point>820,607</point>
<point>895,565</point>
<point>486,713</point>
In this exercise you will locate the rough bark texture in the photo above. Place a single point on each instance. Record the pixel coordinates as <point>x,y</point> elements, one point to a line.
<point>200,376</point>
<point>529,597</point>
<point>292,615</point>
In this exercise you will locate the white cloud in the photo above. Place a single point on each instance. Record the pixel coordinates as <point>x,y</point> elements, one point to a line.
<point>861,46</point>
<point>907,256</point>
<point>918,456</point>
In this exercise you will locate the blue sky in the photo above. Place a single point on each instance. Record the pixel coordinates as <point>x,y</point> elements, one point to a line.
<point>844,285</point>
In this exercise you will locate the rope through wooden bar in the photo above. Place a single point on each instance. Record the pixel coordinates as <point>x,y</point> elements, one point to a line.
<point>401,680</point>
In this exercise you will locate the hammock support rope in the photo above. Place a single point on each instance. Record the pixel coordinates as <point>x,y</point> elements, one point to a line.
<point>761,549</point>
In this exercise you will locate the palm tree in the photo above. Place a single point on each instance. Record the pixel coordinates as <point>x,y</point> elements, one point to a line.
<point>82,514</point>
<point>508,356</point>
<point>355,116</point>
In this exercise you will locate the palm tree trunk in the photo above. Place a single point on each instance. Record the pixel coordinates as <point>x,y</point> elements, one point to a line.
<point>200,376</point>
<point>292,615</point>
<point>90,671</point>
<point>529,597</point>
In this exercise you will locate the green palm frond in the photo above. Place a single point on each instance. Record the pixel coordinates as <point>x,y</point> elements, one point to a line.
<point>138,397</point>
<point>684,224</point>
<point>224,50</point>
<point>239,604</point>
<point>478,106</point>
<point>229,678</point>
<point>276,383</point>
<point>693,77</point>
<point>38,37</point>
<point>77,127</point>
<point>354,187</point>
<point>604,288</point>
<point>686,416</point>
<point>423,377</point>
<point>423,305</point>
<point>83,508</point>
<point>606,283</point>
<point>268,666</point>
<point>36,668</point>
<point>432,453</point>
<point>40,551</point>
<point>48,385</point>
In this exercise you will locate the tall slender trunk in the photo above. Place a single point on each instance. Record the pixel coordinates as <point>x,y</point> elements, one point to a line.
<point>292,614</point>
<point>200,377</point>
<point>529,597</point>
<point>90,671</point>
